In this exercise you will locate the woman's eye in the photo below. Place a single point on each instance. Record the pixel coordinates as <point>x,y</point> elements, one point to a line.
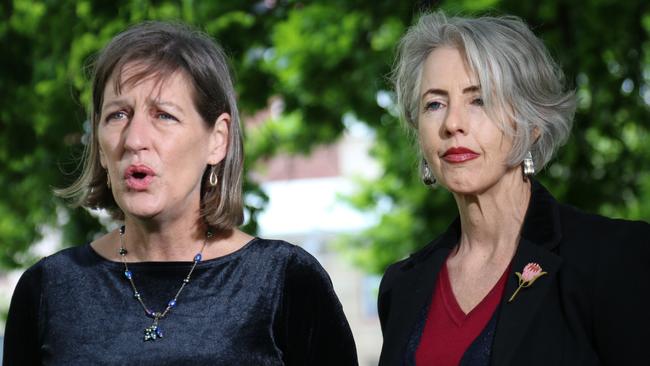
<point>478,102</point>
<point>117,116</point>
<point>433,106</point>
<point>166,116</point>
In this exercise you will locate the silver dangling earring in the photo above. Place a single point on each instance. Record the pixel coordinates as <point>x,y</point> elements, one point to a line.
<point>108,180</point>
<point>427,177</point>
<point>213,176</point>
<point>529,165</point>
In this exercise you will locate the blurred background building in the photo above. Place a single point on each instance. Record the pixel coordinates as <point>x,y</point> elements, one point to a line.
<point>305,208</point>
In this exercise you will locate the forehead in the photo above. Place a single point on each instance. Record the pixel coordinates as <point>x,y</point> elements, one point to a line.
<point>447,68</point>
<point>157,81</point>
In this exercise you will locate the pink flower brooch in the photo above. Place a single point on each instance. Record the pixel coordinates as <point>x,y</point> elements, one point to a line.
<point>532,271</point>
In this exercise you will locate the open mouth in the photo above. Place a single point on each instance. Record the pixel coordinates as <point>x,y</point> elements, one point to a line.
<point>138,177</point>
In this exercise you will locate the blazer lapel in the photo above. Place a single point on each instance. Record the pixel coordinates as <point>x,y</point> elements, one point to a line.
<point>514,317</point>
<point>541,233</point>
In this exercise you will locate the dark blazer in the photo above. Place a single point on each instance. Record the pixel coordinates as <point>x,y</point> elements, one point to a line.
<point>592,308</point>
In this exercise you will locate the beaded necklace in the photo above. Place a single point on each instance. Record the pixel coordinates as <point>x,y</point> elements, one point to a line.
<point>154,331</point>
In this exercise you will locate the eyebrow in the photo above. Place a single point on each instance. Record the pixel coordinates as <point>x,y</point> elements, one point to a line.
<point>116,102</point>
<point>122,102</point>
<point>168,104</point>
<point>469,89</point>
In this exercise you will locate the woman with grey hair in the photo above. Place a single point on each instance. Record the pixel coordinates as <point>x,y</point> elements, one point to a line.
<point>518,278</point>
<point>177,283</point>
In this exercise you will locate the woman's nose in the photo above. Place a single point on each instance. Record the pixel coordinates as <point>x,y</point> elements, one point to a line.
<point>455,122</point>
<point>137,134</point>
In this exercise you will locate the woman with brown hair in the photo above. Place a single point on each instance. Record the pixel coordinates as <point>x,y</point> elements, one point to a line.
<point>177,283</point>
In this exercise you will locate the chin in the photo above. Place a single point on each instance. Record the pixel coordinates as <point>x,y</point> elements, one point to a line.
<point>458,183</point>
<point>141,208</point>
<point>466,184</point>
<point>142,214</point>
<point>463,189</point>
<point>475,185</point>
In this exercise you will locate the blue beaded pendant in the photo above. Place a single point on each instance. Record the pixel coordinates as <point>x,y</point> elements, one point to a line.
<point>128,274</point>
<point>152,333</point>
<point>197,257</point>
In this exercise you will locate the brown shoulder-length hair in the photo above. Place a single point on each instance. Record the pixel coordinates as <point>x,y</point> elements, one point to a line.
<point>164,48</point>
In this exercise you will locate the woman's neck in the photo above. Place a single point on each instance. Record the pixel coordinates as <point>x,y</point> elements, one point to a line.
<point>491,221</point>
<point>148,240</point>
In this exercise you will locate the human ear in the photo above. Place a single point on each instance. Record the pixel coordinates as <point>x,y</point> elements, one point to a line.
<point>219,139</point>
<point>536,134</point>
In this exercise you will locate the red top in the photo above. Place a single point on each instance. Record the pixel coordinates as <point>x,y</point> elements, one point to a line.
<point>448,331</point>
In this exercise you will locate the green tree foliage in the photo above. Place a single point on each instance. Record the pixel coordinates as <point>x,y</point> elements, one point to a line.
<point>604,50</point>
<point>327,60</point>
<point>44,91</point>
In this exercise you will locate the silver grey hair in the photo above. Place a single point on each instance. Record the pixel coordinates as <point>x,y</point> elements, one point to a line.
<point>522,87</point>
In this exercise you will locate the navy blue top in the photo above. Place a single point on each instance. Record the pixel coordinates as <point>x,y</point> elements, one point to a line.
<point>269,303</point>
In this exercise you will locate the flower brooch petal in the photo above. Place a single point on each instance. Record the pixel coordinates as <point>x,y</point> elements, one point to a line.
<point>531,272</point>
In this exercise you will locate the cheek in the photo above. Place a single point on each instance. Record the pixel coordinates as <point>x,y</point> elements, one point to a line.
<point>109,145</point>
<point>193,148</point>
<point>106,138</point>
<point>497,147</point>
<point>428,137</point>
<point>187,156</point>
<point>501,142</point>
<point>104,149</point>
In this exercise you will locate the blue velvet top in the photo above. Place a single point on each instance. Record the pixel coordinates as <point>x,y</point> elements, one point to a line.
<point>269,303</point>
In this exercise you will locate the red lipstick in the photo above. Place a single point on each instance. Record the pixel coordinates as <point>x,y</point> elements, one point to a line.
<point>138,177</point>
<point>456,155</point>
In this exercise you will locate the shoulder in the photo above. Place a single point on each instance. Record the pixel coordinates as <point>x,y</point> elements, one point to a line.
<point>30,285</point>
<point>30,281</point>
<point>596,230</point>
<point>56,268</point>
<point>400,268</point>
<point>392,274</point>
<point>304,278</point>
<point>69,259</point>
<point>63,258</point>
<point>295,260</point>
<point>600,249</point>
<point>395,272</point>
<point>610,258</point>
<point>607,254</point>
